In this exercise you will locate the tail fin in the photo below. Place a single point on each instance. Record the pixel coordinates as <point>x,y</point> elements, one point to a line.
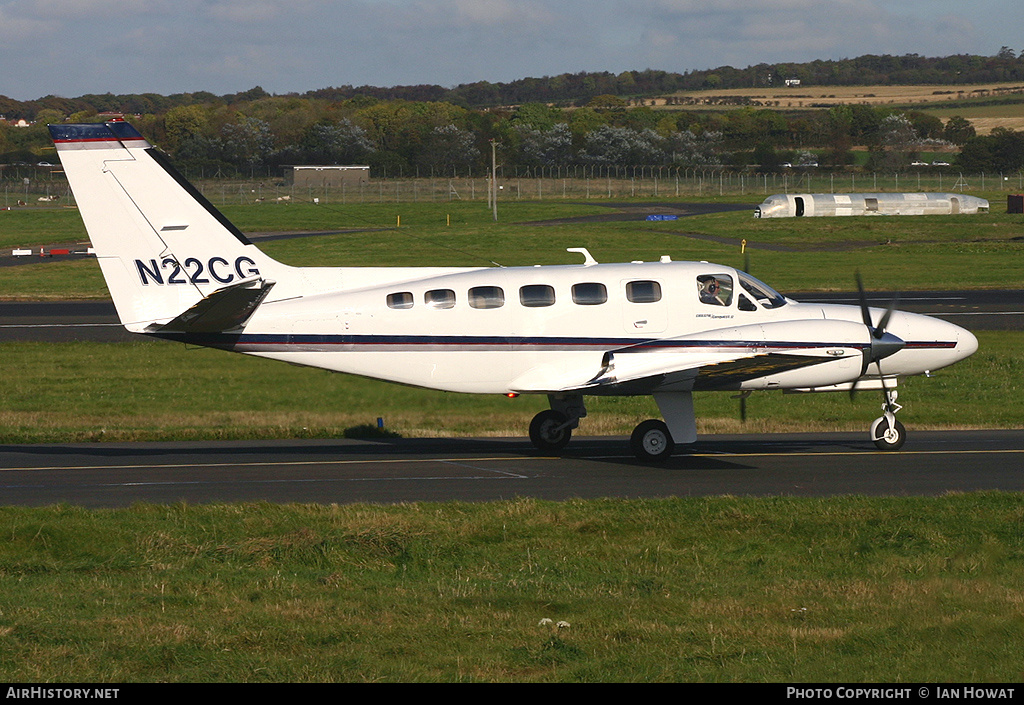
<point>168,256</point>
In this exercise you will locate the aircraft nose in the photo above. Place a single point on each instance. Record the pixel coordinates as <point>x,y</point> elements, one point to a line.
<point>966,343</point>
<point>933,343</point>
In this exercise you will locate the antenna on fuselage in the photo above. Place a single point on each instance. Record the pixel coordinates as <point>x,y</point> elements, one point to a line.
<point>588,259</point>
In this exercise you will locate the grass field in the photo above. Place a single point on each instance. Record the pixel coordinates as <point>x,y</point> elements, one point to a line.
<point>898,253</point>
<point>909,590</point>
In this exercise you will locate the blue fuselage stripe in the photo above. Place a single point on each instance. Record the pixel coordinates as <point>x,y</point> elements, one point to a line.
<point>255,341</point>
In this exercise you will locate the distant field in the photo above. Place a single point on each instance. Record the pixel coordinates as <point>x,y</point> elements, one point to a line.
<point>927,97</point>
<point>824,96</point>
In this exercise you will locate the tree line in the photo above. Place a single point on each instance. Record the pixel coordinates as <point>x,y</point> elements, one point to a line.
<point>577,89</point>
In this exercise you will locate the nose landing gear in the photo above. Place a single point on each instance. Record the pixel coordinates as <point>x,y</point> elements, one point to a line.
<point>886,432</point>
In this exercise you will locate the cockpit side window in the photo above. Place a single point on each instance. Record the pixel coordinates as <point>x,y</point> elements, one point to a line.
<point>714,289</point>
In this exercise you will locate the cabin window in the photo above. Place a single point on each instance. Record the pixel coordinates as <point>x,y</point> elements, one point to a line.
<point>589,293</point>
<point>643,292</point>
<point>439,298</point>
<point>400,300</point>
<point>486,297</point>
<point>715,289</point>
<point>871,205</point>
<point>536,295</point>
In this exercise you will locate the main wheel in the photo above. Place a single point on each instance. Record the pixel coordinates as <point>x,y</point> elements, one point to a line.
<point>651,441</point>
<point>545,433</point>
<point>886,436</point>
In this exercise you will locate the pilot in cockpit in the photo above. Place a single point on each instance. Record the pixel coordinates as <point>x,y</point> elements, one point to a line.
<point>711,291</point>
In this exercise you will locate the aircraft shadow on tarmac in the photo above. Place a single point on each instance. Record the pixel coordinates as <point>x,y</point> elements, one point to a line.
<point>712,453</point>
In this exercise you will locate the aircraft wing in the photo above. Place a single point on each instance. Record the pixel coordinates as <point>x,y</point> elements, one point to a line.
<point>785,354</point>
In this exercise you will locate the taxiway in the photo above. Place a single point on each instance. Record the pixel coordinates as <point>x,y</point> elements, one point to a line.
<point>407,470</point>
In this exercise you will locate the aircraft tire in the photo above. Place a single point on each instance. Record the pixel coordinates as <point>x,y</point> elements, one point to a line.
<point>651,441</point>
<point>888,438</point>
<point>545,434</point>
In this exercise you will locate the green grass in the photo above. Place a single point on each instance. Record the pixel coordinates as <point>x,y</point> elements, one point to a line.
<point>25,227</point>
<point>152,390</point>
<point>897,254</point>
<point>900,590</point>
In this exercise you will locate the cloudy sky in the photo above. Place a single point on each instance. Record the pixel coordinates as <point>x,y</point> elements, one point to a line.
<point>74,47</point>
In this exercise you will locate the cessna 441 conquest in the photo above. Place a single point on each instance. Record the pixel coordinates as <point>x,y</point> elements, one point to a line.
<point>178,269</point>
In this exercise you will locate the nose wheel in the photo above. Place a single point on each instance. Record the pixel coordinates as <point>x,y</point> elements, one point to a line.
<point>886,432</point>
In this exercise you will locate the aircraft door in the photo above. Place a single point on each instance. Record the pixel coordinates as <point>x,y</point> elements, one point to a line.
<point>799,206</point>
<point>644,308</point>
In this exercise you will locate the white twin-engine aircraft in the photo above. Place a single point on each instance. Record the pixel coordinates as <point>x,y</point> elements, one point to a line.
<point>177,269</point>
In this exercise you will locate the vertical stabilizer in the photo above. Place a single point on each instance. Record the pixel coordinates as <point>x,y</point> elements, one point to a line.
<point>162,247</point>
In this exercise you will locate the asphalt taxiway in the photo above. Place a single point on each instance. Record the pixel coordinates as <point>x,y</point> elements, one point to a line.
<point>406,470</point>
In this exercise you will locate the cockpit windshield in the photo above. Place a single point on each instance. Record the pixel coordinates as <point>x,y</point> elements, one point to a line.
<point>766,296</point>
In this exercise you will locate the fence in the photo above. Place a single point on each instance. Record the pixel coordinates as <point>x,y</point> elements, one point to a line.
<point>46,186</point>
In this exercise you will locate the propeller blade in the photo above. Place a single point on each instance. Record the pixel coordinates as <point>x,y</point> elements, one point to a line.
<point>742,396</point>
<point>883,344</point>
<point>880,330</point>
<point>865,312</point>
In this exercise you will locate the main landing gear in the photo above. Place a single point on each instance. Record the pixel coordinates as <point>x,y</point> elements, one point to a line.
<point>552,428</point>
<point>652,441</point>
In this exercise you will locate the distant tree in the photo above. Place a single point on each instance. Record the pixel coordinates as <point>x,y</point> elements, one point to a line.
<point>835,127</point>
<point>897,145</point>
<point>958,130</point>
<point>621,146</point>
<point>545,147</point>
<point>687,148</point>
<point>765,156</point>
<point>448,148</point>
<point>335,143</point>
<point>247,143</point>
<point>537,116</point>
<point>976,155</point>
<point>183,124</point>
<point>1007,148</point>
<point>584,121</point>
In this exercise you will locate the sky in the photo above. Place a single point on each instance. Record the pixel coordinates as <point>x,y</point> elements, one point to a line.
<point>76,47</point>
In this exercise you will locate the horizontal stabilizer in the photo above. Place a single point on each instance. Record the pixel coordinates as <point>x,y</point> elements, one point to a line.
<point>223,310</point>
